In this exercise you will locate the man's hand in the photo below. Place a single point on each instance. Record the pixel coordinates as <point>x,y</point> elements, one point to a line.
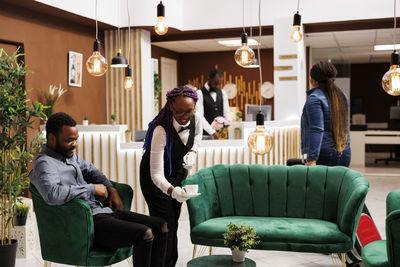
<point>114,199</point>
<point>216,135</point>
<point>311,163</point>
<point>101,191</point>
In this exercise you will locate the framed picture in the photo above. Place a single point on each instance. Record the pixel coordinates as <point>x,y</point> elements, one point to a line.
<point>74,69</point>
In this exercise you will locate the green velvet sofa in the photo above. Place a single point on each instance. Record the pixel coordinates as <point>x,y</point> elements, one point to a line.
<point>386,253</point>
<point>297,208</point>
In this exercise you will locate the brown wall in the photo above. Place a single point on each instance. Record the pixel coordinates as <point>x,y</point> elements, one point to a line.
<point>194,65</point>
<point>366,84</point>
<point>158,52</point>
<point>47,41</point>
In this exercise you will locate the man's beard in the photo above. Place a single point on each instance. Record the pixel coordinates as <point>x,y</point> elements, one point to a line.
<point>63,151</point>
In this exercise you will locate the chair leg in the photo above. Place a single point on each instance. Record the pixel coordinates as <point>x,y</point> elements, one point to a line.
<point>342,258</point>
<point>130,261</point>
<point>194,251</point>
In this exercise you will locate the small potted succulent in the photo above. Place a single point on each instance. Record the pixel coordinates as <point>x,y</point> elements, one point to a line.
<point>239,115</point>
<point>85,121</point>
<point>240,239</point>
<point>128,136</point>
<point>113,118</point>
<point>21,213</point>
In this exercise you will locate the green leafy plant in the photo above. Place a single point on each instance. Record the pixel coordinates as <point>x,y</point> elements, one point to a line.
<point>51,97</point>
<point>113,117</point>
<point>128,131</point>
<point>240,237</point>
<point>85,118</point>
<point>239,114</point>
<point>22,209</point>
<point>157,86</point>
<point>17,113</point>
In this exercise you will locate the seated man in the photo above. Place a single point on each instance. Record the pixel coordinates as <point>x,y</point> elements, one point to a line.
<point>60,176</point>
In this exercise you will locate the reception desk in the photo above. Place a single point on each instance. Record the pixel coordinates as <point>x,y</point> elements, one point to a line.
<point>104,146</point>
<point>360,138</point>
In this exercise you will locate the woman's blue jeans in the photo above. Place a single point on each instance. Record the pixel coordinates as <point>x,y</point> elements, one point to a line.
<point>330,157</point>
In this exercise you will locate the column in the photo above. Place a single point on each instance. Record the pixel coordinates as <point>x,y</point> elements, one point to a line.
<point>289,72</point>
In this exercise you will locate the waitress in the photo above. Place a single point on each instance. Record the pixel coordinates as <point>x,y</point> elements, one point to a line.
<point>171,144</point>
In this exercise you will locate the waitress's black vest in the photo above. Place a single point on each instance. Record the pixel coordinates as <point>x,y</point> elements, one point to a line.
<point>212,109</point>
<point>178,151</point>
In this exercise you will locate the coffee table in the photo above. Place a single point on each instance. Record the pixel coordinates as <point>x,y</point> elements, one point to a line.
<point>220,261</point>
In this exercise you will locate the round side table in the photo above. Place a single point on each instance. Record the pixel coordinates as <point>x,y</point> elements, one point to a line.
<point>220,261</point>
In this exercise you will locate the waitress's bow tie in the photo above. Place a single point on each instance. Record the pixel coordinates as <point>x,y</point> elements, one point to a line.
<point>186,127</point>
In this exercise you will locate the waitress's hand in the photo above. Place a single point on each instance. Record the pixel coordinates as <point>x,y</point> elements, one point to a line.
<point>179,194</point>
<point>311,163</point>
<point>189,160</point>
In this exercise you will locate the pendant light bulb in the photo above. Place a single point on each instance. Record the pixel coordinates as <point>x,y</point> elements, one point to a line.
<point>161,27</point>
<point>128,81</point>
<point>260,141</point>
<point>391,79</point>
<point>244,56</point>
<point>96,64</point>
<point>296,35</point>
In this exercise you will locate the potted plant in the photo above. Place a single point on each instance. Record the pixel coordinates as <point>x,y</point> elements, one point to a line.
<point>157,92</point>
<point>240,239</point>
<point>128,136</point>
<point>113,118</point>
<point>21,213</point>
<point>239,115</point>
<point>85,121</point>
<point>17,113</point>
<point>51,97</point>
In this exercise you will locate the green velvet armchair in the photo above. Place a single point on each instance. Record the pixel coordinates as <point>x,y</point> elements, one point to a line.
<point>386,252</point>
<point>66,231</point>
<point>297,208</point>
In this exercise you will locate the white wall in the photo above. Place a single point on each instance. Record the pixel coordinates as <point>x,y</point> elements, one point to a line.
<point>212,14</point>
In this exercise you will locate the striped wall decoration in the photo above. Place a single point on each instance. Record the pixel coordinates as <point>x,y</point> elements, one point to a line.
<point>127,105</point>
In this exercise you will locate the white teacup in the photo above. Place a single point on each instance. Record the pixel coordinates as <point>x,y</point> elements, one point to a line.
<point>191,188</point>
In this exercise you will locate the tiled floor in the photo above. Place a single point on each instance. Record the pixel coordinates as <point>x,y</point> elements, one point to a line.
<point>382,181</point>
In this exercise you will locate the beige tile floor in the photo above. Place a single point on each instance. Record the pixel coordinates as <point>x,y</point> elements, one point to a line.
<point>382,181</point>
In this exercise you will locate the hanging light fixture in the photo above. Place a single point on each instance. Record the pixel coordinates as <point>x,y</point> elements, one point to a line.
<point>391,79</point>
<point>260,140</point>
<point>244,55</point>
<point>96,64</point>
<point>128,81</point>
<point>296,35</point>
<point>119,61</point>
<point>255,61</point>
<point>161,27</point>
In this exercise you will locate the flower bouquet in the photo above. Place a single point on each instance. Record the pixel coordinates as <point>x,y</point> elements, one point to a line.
<point>50,98</point>
<point>221,124</point>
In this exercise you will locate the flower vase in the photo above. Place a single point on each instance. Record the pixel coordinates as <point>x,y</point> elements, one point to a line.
<point>238,255</point>
<point>223,133</point>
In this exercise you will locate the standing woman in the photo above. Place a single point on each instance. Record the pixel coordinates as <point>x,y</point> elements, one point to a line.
<point>324,123</point>
<point>171,144</point>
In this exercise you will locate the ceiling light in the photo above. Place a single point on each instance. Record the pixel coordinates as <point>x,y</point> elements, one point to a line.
<point>128,81</point>
<point>386,47</point>
<point>260,140</point>
<point>236,42</point>
<point>244,56</point>
<point>391,79</point>
<point>161,27</point>
<point>119,61</point>
<point>96,64</point>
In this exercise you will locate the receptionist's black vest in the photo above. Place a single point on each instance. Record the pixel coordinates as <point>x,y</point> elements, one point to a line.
<point>212,109</point>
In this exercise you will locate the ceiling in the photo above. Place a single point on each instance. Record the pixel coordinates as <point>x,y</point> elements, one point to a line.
<point>339,46</point>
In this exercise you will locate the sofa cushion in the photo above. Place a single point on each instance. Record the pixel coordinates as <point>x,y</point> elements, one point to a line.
<point>374,254</point>
<point>273,230</point>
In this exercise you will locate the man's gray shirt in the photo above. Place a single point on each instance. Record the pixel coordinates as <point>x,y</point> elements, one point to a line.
<point>60,179</point>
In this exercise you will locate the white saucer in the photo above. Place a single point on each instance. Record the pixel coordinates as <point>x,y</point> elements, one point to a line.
<point>193,195</point>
